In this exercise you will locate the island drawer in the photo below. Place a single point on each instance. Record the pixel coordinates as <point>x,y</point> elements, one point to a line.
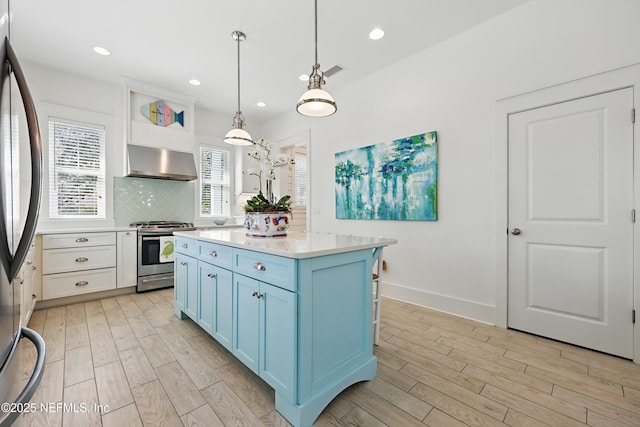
<point>186,246</point>
<point>276,270</point>
<point>77,240</point>
<point>71,259</point>
<point>220,255</point>
<point>79,282</point>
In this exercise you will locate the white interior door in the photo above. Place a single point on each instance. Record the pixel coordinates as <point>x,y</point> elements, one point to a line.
<point>570,222</point>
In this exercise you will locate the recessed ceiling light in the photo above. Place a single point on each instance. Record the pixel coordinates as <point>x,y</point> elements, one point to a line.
<point>376,34</point>
<point>101,51</point>
<point>195,82</point>
<point>303,77</point>
<point>261,104</point>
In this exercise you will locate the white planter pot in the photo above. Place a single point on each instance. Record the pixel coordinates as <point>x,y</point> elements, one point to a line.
<point>266,224</point>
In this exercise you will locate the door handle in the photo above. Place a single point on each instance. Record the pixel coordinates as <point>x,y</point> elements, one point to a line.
<point>12,267</point>
<point>516,231</point>
<point>27,392</point>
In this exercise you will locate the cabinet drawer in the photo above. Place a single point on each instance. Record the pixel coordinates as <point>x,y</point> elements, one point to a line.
<point>186,246</point>
<point>276,270</point>
<point>77,240</point>
<point>219,255</point>
<point>64,260</point>
<point>80,282</point>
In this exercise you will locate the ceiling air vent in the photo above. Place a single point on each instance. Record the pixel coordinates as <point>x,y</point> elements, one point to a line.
<point>331,71</point>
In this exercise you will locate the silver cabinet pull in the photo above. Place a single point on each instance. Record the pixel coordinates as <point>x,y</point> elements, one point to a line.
<point>516,231</point>
<point>29,262</point>
<point>82,283</point>
<point>211,275</point>
<point>213,254</point>
<point>183,263</point>
<point>82,259</point>
<point>259,266</point>
<point>185,246</point>
<point>259,295</point>
<point>82,240</point>
<point>256,294</point>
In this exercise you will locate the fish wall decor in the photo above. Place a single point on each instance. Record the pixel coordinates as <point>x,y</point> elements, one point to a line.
<point>161,114</point>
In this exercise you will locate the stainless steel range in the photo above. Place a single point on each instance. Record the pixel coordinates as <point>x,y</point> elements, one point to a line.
<point>155,252</point>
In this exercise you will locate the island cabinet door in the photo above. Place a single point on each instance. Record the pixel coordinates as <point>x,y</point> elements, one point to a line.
<point>207,278</point>
<point>246,321</point>
<point>186,285</point>
<point>215,302</point>
<point>278,339</point>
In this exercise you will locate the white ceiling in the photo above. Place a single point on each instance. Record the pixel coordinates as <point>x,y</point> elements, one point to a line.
<point>167,42</point>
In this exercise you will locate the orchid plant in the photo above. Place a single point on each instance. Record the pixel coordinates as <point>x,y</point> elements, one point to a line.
<point>268,165</point>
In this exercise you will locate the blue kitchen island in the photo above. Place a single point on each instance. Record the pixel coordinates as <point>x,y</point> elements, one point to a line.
<point>297,309</point>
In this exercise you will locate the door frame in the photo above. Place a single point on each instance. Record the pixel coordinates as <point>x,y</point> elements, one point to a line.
<point>301,138</point>
<point>604,82</point>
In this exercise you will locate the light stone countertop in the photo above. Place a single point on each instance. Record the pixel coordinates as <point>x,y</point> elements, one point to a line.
<point>202,226</point>
<point>293,245</point>
<point>82,230</point>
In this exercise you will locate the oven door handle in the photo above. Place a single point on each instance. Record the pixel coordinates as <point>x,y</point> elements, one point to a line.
<point>150,238</point>
<point>155,279</point>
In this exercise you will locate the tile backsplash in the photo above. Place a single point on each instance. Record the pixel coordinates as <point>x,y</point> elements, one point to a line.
<point>145,199</point>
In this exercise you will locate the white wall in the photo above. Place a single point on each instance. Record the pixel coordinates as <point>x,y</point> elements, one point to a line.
<point>67,96</point>
<point>60,93</point>
<point>453,88</point>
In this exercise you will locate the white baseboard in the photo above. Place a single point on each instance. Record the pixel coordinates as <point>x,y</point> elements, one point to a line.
<point>456,306</point>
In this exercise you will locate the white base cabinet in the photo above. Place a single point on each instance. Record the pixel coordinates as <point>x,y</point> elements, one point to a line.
<point>27,279</point>
<point>78,282</point>
<point>78,263</point>
<point>127,259</point>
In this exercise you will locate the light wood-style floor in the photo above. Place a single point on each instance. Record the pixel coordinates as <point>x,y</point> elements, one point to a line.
<point>129,361</point>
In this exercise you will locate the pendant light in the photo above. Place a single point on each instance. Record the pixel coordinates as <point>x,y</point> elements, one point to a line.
<point>237,135</point>
<point>316,102</point>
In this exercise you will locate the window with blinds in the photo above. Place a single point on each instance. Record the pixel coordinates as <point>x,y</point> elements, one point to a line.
<point>214,181</point>
<point>76,170</point>
<point>300,181</point>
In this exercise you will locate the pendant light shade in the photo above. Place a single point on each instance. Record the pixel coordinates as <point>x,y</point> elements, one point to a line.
<point>237,135</point>
<point>316,102</point>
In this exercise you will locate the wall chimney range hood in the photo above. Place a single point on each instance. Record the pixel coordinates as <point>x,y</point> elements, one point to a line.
<point>160,163</point>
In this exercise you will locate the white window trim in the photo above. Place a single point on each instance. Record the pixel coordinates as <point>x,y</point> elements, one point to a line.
<point>100,173</point>
<point>217,143</point>
<point>48,111</point>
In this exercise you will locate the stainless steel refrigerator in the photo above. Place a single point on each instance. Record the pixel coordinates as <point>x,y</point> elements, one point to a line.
<point>20,190</point>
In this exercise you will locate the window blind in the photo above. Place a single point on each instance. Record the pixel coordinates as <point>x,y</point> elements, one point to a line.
<point>76,170</point>
<point>214,181</point>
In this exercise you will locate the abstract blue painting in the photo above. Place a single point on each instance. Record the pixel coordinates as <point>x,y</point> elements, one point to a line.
<point>395,180</point>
